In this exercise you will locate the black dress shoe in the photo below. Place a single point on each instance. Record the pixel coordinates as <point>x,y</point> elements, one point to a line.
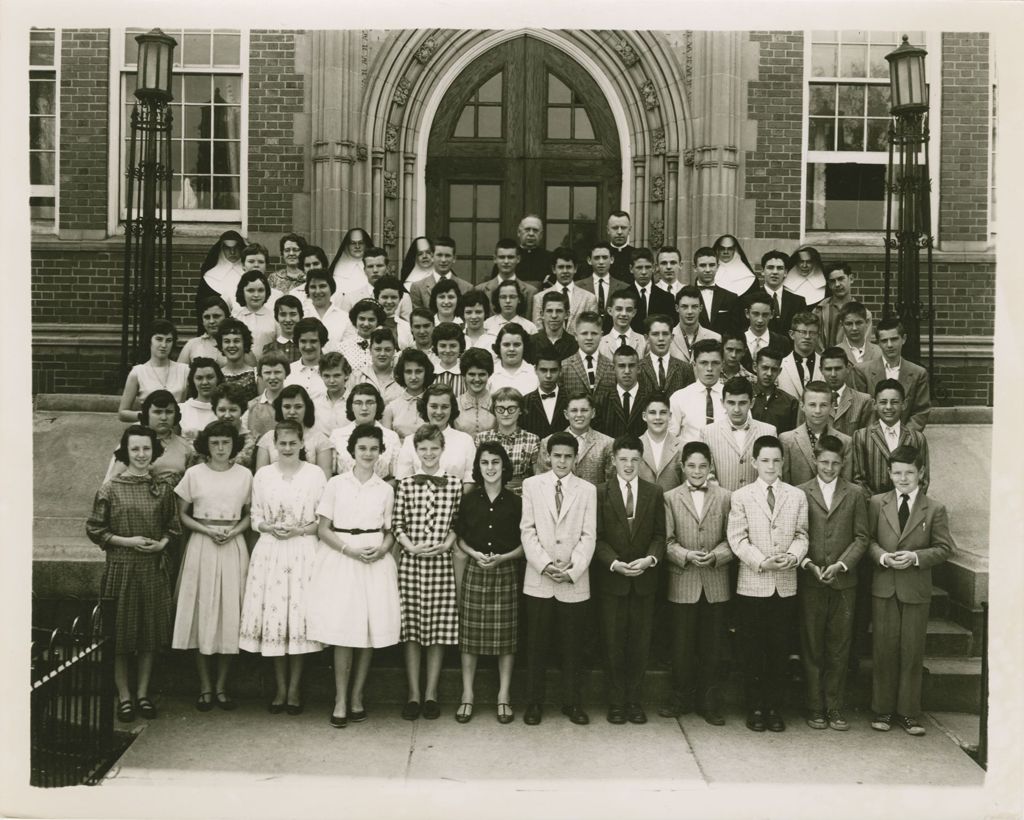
<point>635,713</point>
<point>339,722</point>
<point>275,708</point>
<point>534,712</point>
<point>411,710</point>
<point>773,720</point>
<point>755,721</point>
<point>357,717</point>
<point>713,716</point>
<point>576,715</point>
<point>431,710</point>
<point>616,715</point>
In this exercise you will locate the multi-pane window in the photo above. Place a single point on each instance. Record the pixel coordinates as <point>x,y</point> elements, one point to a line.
<point>207,131</point>
<point>482,116</point>
<point>847,128</point>
<point>475,224</point>
<point>42,123</point>
<point>566,117</point>
<point>571,217</point>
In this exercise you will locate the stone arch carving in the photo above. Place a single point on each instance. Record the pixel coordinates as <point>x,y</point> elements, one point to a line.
<point>636,70</point>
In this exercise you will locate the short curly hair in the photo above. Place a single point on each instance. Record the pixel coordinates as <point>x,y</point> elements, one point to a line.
<point>364,389</point>
<point>249,277</point>
<point>201,363</point>
<point>221,428</point>
<point>413,356</point>
<point>121,453</point>
<point>237,327</point>
<point>365,431</point>
<point>292,391</point>
<point>438,390</point>
<point>161,399</point>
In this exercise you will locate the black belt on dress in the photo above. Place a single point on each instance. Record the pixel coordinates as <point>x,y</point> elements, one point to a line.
<point>357,532</point>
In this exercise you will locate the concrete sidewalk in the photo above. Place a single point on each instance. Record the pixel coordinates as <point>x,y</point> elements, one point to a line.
<point>249,747</point>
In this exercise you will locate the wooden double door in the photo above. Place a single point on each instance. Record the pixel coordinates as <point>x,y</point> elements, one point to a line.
<point>524,129</point>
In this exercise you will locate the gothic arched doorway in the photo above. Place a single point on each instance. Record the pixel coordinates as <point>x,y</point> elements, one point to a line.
<point>524,129</point>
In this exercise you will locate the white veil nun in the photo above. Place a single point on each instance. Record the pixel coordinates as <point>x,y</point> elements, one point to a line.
<point>734,271</point>
<point>806,277</point>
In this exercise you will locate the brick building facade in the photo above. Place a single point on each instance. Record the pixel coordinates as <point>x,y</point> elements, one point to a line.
<point>713,133</point>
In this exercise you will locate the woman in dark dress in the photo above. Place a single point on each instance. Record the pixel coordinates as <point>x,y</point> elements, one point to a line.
<point>488,533</point>
<point>133,517</point>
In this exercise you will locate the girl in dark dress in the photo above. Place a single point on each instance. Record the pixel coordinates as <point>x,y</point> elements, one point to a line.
<point>133,517</point>
<point>488,533</point>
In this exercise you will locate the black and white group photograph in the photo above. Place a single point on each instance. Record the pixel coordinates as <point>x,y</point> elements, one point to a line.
<point>567,410</point>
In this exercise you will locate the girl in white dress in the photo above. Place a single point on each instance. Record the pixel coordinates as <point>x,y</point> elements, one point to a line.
<point>156,373</point>
<point>213,504</point>
<point>293,402</point>
<point>353,599</point>
<point>285,496</point>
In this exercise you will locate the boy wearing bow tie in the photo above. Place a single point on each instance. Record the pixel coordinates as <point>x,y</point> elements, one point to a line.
<point>699,587</point>
<point>909,535</point>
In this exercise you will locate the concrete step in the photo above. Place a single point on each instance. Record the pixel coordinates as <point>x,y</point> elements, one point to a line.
<point>953,684</point>
<point>946,639</point>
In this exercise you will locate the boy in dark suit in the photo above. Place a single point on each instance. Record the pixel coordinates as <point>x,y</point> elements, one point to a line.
<point>620,408</point>
<point>837,533</point>
<point>650,300</point>
<point>630,543</point>
<point>909,535</point>
<point>544,408</point>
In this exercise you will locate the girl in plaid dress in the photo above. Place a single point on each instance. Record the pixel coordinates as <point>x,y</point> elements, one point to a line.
<point>425,509</point>
<point>132,519</point>
<point>488,530</point>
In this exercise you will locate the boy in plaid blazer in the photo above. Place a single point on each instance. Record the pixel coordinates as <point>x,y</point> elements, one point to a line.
<point>768,533</point>
<point>699,586</point>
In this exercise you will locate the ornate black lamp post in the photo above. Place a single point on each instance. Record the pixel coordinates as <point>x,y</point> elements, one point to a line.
<point>147,234</point>
<point>908,219</point>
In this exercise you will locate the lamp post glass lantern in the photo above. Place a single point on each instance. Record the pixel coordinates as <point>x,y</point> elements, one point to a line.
<point>156,59</point>
<point>908,191</point>
<point>146,289</point>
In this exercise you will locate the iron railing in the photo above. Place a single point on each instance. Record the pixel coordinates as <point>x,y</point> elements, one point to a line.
<point>72,704</point>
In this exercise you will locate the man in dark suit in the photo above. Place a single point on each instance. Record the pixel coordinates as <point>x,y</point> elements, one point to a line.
<point>785,305</point>
<point>661,372</point>
<point>620,409</point>
<point>630,544</point>
<point>720,309</point>
<point>544,408</point>
<point>837,534</point>
<point>909,535</point>
<point>892,365</point>
<point>599,281</point>
<point>618,228</point>
<point>772,404</point>
<point>650,300</point>
<point>534,259</point>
